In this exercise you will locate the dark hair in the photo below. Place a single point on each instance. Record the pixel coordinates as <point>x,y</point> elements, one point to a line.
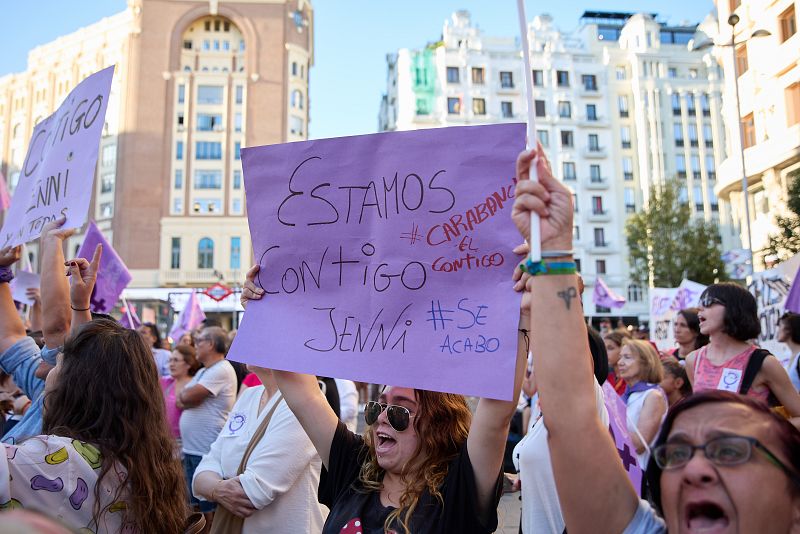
<point>741,312</point>
<point>672,366</point>
<point>116,381</point>
<point>189,356</point>
<point>218,338</point>
<point>693,322</point>
<point>106,316</point>
<point>599,355</point>
<point>792,320</point>
<point>155,333</point>
<point>787,434</point>
<point>208,323</point>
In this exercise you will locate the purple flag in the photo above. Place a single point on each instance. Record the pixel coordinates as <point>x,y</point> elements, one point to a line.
<point>5,198</point>
<point>792,303</point>
<point>618,427</point>
<point>189,319</point>
<point>604,296</point>
<point>124,321</point>
<point>113,275</point>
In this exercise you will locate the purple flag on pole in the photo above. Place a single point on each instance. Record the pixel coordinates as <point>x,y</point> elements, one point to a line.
<point>618,427</point>
<point>189,319</point>
<point>113,275</point>
<point>604,296</point>
<point>792,303</point>
<point>124,321</point>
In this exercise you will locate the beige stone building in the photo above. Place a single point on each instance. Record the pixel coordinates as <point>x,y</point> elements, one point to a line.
<point>194,83</point>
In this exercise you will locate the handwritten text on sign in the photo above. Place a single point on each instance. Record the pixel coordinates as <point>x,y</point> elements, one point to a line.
<point>57,176</point>
<point>387,258</point>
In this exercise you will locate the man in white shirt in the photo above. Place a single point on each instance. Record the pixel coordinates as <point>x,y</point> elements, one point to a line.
<point>348,403</point>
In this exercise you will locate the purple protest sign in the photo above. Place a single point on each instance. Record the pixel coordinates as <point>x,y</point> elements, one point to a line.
<point>57,176</point>
<point>113,275</point>
<point>387,258</point>
<point>604,296</point>
<point>618,427</point>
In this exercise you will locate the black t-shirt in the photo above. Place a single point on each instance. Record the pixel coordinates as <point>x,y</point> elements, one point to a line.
<point>360,511</point>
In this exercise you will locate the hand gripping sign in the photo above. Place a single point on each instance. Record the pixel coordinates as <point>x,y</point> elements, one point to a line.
<point>387,258</point>
<point>57,176</point>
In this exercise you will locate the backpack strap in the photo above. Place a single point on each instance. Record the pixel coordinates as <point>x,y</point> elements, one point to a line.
<point>754,364</point>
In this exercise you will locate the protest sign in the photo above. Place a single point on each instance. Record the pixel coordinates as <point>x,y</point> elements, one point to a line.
<point>23,280</point>
<point>665,303</point>
<point>387,258</point>
<point>113,275</point>
<point>58,173</point>
<point>770,289</point>
<point>618,427</point>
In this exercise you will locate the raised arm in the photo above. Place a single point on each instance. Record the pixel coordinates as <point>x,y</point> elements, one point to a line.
<point>579,442</point>
<point>301,391</point>
<point>11,327</point>
<point>83,275</point>
<point>34,294</point>
<point>54,285</point>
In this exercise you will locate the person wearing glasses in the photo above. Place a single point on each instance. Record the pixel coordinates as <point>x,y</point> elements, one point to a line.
<point>425,464</point>
<point>729,316</point>
<point>723,462</point>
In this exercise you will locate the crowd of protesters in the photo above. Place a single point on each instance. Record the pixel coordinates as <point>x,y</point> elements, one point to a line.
<point>106,430</point>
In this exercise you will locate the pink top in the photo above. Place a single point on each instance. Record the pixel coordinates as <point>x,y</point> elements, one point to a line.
<point>251,380</point>
<point>726,376</point>
<point>173,412</point>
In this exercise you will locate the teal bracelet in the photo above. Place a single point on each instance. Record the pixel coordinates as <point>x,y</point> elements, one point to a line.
<point>553,267</point>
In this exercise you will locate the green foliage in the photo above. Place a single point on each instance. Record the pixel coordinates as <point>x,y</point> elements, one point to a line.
<point>667,239</point>
<point>786,242</point>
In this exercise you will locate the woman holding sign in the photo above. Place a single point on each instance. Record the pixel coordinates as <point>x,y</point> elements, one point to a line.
<point>424,464</point>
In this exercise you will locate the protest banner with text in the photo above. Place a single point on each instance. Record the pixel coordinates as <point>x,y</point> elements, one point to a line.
<point>387,258</point>
<point>58,173</point>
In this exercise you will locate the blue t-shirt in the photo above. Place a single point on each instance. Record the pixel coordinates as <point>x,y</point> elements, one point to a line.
<point>645,521</point>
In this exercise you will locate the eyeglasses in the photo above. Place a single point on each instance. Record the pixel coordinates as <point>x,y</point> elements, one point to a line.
<point>724,451</point>
<point>398,416</point>
<point>707,301</point>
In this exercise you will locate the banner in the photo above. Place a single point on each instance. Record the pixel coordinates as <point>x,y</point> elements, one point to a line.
<point>23,281</point>
<point>665,303</point>
<point>113,275</point>
<point>58,174</point>
<point>618,427</point>
<point>387,258</point>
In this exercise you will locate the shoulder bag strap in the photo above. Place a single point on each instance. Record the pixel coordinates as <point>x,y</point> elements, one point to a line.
<point>260,431</point>
<point>754,364</point>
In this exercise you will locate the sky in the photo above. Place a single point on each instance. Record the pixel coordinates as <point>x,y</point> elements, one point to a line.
<point>351,41</point>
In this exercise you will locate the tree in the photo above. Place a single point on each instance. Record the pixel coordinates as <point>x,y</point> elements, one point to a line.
<point>666,239</point>
<point>786,242</point>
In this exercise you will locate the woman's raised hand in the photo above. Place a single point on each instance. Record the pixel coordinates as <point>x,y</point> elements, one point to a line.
<point>250,291</point>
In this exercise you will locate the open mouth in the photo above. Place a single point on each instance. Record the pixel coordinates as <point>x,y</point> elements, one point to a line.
<point>706,517</point>
<point>384,442</point>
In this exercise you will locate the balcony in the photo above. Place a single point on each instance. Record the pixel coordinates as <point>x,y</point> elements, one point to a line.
<point>596,183</point>
<point>599,216</point>
<point>601,248</point>
<point>594,152</point>
<point>590,92</point>
<point>182,277</point>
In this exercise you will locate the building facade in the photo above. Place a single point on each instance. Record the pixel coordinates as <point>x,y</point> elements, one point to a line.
<point>194,83</point>
<point>620,105</point>
<point>769,123</point>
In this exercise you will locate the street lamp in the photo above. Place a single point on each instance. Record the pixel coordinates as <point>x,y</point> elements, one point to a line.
<point>733,20</point>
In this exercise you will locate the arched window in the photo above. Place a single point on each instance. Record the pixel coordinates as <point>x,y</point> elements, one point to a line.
<point>297,99</point>
<point>634,293</point>
<point>205,254</point>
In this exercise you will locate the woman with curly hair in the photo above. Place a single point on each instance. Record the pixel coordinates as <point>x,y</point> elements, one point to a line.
<point>424,464</point>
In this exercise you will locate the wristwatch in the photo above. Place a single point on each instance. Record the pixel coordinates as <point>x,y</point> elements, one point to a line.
<point>6,274</point>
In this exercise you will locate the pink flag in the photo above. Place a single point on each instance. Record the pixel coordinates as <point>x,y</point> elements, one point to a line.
<point>604,296</point>
<point>189,319</point>
<point>618,427</point>
<point>792,303</point>
<point>5,198</point>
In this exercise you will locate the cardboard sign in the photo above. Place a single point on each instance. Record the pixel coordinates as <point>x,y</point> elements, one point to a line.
<point>387,258</point>
<point>22,281</point>
<point>58,174</point>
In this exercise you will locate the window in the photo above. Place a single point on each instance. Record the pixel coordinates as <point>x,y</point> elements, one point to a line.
<point>107,210</point>
<point>297,99</point>
<point>576,233</point>
<point>177,206</point>
<point>600,266</point>
<point>506,79</point>
<point>208,150</point>
<point>294,68</point>
<point>594,143</point>
<point>792,97</point>
<point>627,169</point>
<point>178,178</point>
<point>741,59</point>
<point>683,194</point>
<point>181,93</point>
<point>621,73</point>
<point>676,104</point>
<point>477,75</point>
<point>748,131</point>
<point>635,293</point>
<point>180,120</point>
<point>107,182</point>
<point>693,135</point>
<point>241,46</point>
<point>207,179</point>
<point>708,137</point>
<point>697,193</point>
<point>704,105</point>
<point>209,123</point>
<point>597,205</point>
<point>677,130</point>
<point>594,173</point>
<point>239,94</point>
<point>711,168</point>
<point>206,205</point>
<point>205,254</point>
<point>599,237</point>
<point>692,73</point>
<point>179,150</point>
<point>452,74</point>
<point>187,45</point>
<point>564,110</point>
<point>574,202</point>
<point>237,122</point>
<point>591,112</point>
<point>690,105</point>
<point>566,138</point>
<point>175,256</point>
<point>453,105</point>
<point>625,136</point>
<point>236,206</point>
<point>506,110</point>
<point>787,23</point>
<point>680,166</point>
<point>237,179</point>
<point>712,198</point>
<point>622,103</point>
<point>569,170</point>
<point>562,78</point>
<point>589,82</point>
<point>540,109</point>
<point>479,106</point>
<point>295,125</point>
<point>695,161</point>
<point>109,156</point>
<point>672,72</point>
<point>544,137</point>
<point>538,78</point>
<point>236,252</point>
<point>206,44</point>
<point>578,264</point>
<point>209,94</point>
<point>630,200</point>
<point>237,150</point>
<point>422,107</point>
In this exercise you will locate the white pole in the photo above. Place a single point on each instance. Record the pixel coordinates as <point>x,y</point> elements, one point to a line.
<point>128,311</point>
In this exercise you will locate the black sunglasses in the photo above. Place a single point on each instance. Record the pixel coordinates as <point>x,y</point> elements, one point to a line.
<point>398,416</point>
<point>707,301</point>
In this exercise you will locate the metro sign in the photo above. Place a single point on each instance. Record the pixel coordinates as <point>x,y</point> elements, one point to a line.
<point>218,292</point>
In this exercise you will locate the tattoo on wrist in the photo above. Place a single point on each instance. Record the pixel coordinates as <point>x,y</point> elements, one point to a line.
<point>568,294</point>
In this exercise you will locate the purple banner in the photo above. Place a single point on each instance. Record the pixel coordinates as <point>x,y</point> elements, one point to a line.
<point>387,258</point>
<point>58,174</point>
<point>113,275</point>
<point>618,427</point>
